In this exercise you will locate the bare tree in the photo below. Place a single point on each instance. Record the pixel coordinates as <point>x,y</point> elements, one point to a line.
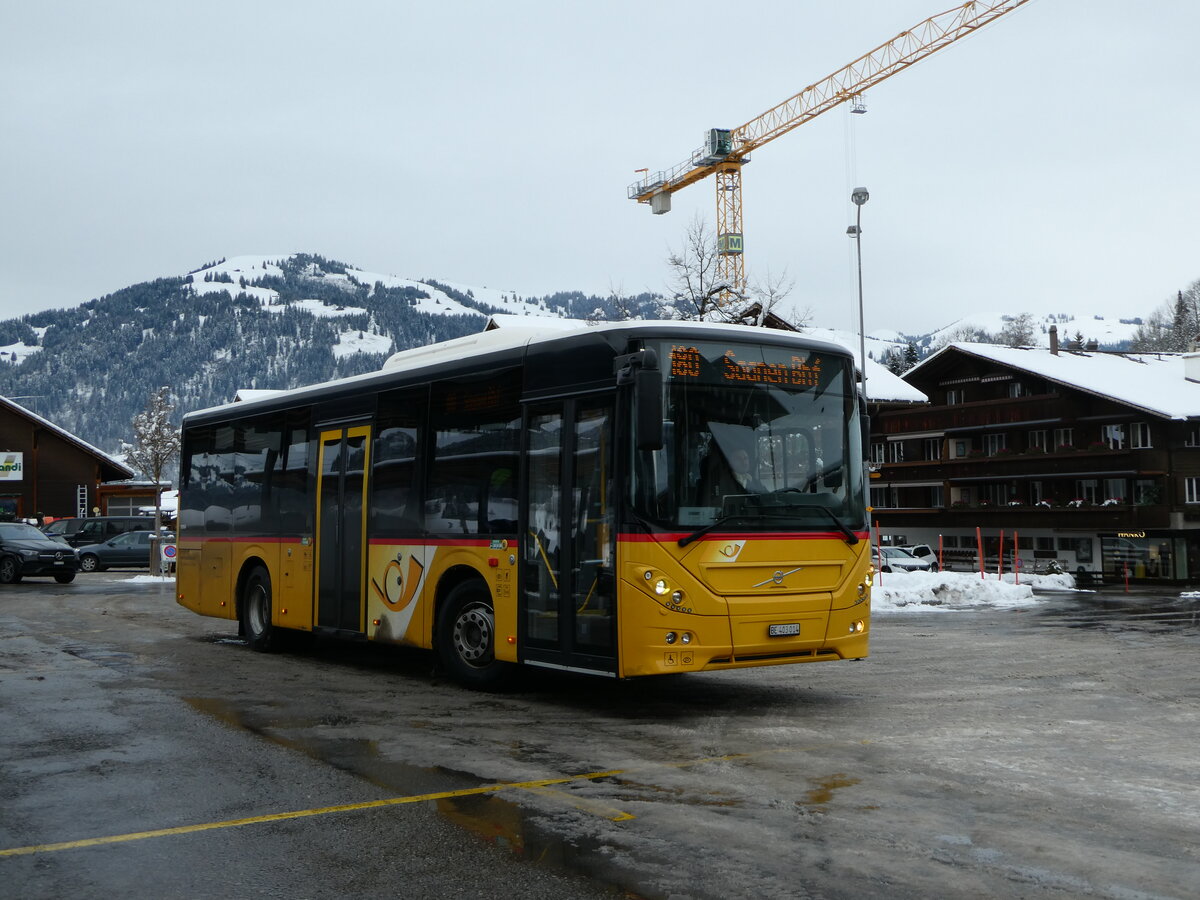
<point>693,288</point>
<point>696,292</point>
<point>965,334</point>
<point>1018,331</point>
<point>624,308</point>
<point>156,444</point>
<point>1153,334</point>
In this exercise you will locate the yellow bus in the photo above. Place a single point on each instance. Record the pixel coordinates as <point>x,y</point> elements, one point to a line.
<point>624,499</point>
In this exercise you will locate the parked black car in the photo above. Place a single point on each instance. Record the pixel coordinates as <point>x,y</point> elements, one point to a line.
<point>26,551</point>
<point>95,529</point>
<point>130,549</point>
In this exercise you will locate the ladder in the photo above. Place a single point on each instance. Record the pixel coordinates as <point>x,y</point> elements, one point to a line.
<point>81,501</point>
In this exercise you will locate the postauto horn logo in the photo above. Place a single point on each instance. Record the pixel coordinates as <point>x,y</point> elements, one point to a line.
<point>10,466</point>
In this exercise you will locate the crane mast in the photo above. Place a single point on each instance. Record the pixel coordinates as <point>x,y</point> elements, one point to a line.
<point>725,151</point>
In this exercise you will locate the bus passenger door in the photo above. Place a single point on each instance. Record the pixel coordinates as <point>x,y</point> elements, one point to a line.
<point>341,528</point>
<point>568,616</point>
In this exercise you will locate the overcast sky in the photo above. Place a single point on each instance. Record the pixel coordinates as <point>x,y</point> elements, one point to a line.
<point>1047,163</point>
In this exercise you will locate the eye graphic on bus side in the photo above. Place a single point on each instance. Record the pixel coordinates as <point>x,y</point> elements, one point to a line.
<point>396,592</point>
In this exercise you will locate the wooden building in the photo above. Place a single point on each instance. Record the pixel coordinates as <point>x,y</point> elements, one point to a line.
<point>1091,458</point>
<point>45,469</point>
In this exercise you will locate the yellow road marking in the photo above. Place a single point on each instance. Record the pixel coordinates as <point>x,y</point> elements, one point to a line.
<point>369,804</point>
<point>295,814</point>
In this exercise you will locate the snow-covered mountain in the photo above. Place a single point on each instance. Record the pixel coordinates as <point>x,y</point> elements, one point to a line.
<point>249,322</point>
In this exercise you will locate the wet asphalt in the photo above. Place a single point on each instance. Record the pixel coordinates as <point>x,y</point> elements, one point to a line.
<point>1042,752</point>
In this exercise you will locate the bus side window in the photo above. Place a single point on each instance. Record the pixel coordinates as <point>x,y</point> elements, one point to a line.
<point>477,438</point>
<point>502,500</point>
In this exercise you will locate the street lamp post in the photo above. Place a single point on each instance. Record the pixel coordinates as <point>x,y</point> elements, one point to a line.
<point>860,196</point>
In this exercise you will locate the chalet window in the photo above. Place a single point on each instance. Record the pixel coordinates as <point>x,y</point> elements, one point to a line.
<point>1037,439</point>
<point>1036,495</point>
<point>896,452</point>
<point>1145,491</point>
<point>1192,485</point>
<point>994,443</point>
<point>937,498</point>
<point>994,494</point>
<point>877,453</point>
<point>879,497</point>
<point>1114,489</point>
<point>954,396</point>
<point>1064,439</point>
<point>1113,436</point>
<point>1087,490</point>
<point>1016,389</point>
<point>1141,435</point>
<point>933,448</point>
<point>1193,437</point>
<point>961,449</point>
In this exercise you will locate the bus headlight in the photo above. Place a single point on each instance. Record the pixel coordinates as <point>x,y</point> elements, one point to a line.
<point>661,586</point>
<point>677,597</point>
<point>857,627</point>
<point>671,637</point>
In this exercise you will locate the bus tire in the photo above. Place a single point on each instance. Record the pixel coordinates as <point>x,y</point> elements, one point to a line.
<point>256,610</point>
<point>466,638</point>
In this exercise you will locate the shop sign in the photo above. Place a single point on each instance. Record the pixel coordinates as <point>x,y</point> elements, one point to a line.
<point>12,466</point>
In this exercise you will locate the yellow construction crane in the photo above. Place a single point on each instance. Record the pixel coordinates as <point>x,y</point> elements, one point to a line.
<point>726,150</point>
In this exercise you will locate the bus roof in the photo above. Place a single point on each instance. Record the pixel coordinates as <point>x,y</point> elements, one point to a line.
<point>505,336</point>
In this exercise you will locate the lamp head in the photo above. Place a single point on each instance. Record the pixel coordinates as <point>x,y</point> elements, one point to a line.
<point>860,196</point>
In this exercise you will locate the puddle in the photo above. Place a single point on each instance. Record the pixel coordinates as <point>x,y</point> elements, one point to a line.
<point>1116,610</point>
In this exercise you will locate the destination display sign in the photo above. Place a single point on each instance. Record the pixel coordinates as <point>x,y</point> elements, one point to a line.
<point>750,365</point>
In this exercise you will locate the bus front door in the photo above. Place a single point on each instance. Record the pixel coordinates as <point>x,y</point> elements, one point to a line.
<point>568,595</point>
<point>341,528</point>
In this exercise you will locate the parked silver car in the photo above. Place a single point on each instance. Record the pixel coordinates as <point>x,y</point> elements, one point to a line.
<point>925,552</point>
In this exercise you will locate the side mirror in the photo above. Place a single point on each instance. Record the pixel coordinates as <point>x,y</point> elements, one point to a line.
<point>641,368</point>
<point>647,397</point>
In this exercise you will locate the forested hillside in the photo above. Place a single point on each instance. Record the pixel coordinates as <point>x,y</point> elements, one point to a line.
<point>250,323</point>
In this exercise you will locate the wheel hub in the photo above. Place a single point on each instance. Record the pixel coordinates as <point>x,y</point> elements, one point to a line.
<point>473,635</point>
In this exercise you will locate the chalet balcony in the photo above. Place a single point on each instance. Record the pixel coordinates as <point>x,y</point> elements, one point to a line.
<point>1102,517</point>
<point>1094,462</point>
<point>1023,412</point>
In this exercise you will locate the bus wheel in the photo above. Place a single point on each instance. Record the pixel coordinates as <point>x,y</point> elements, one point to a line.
<point>467,638</point>
<point>256,610</point>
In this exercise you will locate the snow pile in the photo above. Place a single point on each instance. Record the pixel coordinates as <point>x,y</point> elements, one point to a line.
<point>948,591</point>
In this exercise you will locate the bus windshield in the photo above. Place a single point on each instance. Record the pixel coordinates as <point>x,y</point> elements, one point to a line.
<point>757,436</point>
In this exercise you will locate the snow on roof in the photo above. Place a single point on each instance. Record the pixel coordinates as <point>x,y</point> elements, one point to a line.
<point>1153,382</point>
<point>882,385</point>
<point>67,436</point>
<point>245,395</point>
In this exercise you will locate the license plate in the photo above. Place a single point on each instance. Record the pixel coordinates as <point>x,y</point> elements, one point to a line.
<point>783,630</point>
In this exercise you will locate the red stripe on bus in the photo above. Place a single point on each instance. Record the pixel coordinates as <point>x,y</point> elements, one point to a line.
<point>240,539</point>
<point>434,542</point>
<point>665,537</point>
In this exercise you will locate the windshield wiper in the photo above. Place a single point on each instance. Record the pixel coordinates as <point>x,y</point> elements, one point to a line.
<point>851,537</point>
<point>700,532</point>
